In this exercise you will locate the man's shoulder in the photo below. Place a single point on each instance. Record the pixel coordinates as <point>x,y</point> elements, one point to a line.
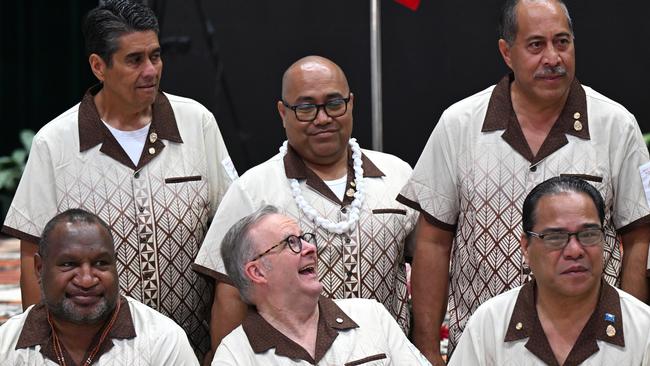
<point>599,103</point>
<point>386,161</point>
<point>144,316</point>
<point>11,329</point>
<point>354,307</point>
<point>64,125</point>
<point>500,302</point>
<point>178,101</point>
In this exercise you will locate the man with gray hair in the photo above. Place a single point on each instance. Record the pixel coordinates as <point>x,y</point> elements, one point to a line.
<point>567,315</point>
<point>275,267</point>
<point>489,150</point>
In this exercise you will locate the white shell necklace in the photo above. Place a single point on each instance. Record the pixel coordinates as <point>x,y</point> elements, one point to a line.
<point>353,216</point>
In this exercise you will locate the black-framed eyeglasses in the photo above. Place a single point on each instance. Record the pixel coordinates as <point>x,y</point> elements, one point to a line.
<point>558,240</point>
<point>293,242</point>
<point>307,112</point>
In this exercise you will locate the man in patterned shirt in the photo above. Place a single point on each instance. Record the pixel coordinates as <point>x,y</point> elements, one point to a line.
<point>489,150</point>
<point>331,187</point>
<point>152,165</point>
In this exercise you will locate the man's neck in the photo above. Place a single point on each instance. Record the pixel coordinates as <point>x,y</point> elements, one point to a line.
<point>563,319</point>
<point>116,114</point>
<point>298,322</point>
<point>332,170</point>
<point>536,117</point>
<point>76,338</point>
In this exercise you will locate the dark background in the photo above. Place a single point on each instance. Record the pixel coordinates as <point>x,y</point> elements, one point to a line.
<point>439,54</point>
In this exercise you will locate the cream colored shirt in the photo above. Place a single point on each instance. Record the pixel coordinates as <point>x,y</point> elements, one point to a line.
<point>158,341</point>
<point>363,333</point>
<point>505,331</point>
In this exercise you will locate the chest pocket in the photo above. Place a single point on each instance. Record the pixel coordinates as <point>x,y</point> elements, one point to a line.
<point>375,360</point>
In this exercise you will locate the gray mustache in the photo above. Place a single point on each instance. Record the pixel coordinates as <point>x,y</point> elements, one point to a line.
<point>551,71</point>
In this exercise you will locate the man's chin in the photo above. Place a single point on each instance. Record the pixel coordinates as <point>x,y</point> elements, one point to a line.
<point>83,314</point>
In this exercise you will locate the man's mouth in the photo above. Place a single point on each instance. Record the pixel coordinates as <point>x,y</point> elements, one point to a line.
<point>308,270</point>
<point>82,298</point>
<point>575,270</point>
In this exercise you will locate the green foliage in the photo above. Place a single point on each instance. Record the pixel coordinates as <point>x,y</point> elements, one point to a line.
<point>11,169</point>
<point>12,166</point>
<point>646,138</point>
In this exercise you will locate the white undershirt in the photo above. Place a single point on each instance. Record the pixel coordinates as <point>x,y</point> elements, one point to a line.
<point>338,186</point>
<point>131,141</point>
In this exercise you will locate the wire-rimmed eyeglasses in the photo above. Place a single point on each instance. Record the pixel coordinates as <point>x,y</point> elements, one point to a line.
<point>307,112</point>
<point>558,240</point>
<point>293,242</point>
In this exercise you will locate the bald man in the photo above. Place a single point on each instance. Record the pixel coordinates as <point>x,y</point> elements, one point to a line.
<point>331,187</point>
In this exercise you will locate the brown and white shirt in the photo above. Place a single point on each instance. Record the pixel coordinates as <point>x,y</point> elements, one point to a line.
<point>367,262</point>
<point>158,211</point>
<point>140,336</point>
<point>506,331</point>
<point>350,332</point>
<point>477,168</point>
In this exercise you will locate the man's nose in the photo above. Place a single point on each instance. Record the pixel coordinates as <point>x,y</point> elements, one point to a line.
<point>307,248</point>
<point>322,117</point>
<point>85,277</point>
<point>551,55</point>
<point>149,69</point>
<point>573,248</point>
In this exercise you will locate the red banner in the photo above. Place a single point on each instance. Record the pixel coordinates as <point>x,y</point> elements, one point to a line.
<point>411,4</point>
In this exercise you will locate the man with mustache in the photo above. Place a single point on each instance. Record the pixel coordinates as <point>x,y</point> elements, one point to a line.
<point>567,315</point>
<point>82,319</point>
<point>152,165</point>
<point>333,188</point>
<point>275,267</point>
<point>489,150</point>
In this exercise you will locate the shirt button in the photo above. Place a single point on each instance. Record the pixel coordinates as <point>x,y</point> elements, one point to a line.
<point>533,168</point>
<point>344,210</point>
<point>141,208</point>
<point>136,175</point>
<point>347,240</point>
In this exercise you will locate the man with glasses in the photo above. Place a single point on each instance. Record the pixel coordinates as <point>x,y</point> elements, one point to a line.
<point>333,188</point>
<point>568,314</point>
<point>275,267</point>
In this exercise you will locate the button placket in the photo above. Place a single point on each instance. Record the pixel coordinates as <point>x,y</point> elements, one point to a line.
<point>147,255</point>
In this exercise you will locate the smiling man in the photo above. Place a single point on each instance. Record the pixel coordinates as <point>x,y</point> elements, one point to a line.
<point>152,165</point>
<point>489,150</point>
<point>322,178</point>
<point>82,319</point>
<point>567,315</point>
<point>275,267</point>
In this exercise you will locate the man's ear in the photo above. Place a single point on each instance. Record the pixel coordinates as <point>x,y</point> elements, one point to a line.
<point>38,266</point>
<point>524,241</point>
<point>282,110</point>
<point>351,102</point>
<point>255,272</point>
<point>97,66</point>
<point>504,49</point>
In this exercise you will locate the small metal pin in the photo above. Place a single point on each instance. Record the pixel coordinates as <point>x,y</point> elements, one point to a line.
<point>577,125</point>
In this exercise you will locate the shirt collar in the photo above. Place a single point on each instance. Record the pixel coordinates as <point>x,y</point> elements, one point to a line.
<point>605,324</point>
<point>573,120</point>
<point>295,168</point>
<point>262,336</point>
<point>36,331</point>
<point>93,132</point>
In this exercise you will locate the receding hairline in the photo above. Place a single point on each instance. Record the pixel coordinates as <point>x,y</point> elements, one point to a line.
<point>312,59</point>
